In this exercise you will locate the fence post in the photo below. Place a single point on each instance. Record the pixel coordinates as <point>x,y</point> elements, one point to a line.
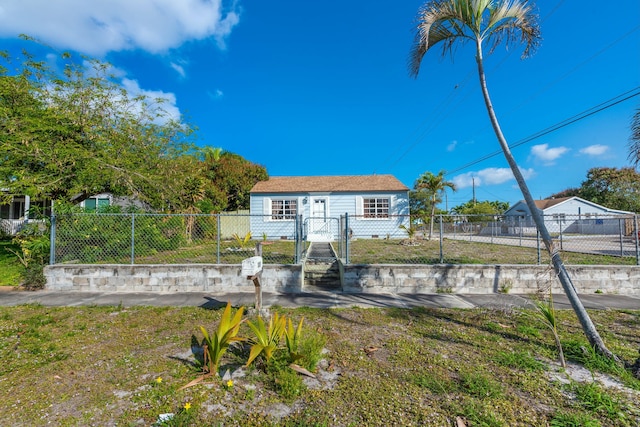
<point>296,244</point>
<point>346,237</point>
<point>217,238</point>
<point>538,244</point>
<point>133,239</point>
<point>560,226</point>
<point>621,233</point>
<point>520,229</point>
<point>52,237</point>
<point>441,249</point>
<point>635,233</point>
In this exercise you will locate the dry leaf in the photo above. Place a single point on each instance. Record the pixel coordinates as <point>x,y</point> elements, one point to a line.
<point>460,422</point>
<point>370,350</point>
<point>299,369</point>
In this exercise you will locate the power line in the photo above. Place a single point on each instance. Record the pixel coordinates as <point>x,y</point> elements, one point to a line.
<point>566,122</point>
<point>441,110</point>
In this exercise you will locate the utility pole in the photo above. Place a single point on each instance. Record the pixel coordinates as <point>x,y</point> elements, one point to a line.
<point>446,200</point>
<point>473,182</point>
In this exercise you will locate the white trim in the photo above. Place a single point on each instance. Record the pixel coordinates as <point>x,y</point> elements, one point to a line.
<point>283,199</point>
<point>389,209</point>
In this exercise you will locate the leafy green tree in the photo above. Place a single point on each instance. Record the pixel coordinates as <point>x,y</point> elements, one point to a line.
<point>70,134</point>
<point>234,176</point>
<point>486,207</point>
<point>613,188</point>
<point>491,22</point>
<point>433,187</point>
<point>569,192</point>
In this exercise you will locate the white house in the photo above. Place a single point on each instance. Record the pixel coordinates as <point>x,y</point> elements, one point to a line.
<point>19,210</point>
<point>377,205</point>
<point>570,215</point>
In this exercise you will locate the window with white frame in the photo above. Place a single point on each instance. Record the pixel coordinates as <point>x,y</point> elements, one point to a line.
<point>285,209</point>
<point>375,207</point>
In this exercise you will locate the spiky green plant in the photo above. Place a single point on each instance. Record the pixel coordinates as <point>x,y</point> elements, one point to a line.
<point>242,242</point>
<point>547,314</point>
<point>215,345</point>
<point>266,340</point>
<point>292,339</point>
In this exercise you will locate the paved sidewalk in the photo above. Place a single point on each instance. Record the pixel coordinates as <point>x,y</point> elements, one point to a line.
<point>319,300</point>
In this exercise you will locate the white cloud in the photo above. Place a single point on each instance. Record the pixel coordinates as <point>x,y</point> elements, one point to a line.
<point>168,99</point>
<point>489,176</point>
<point>595,150</point>
<point>179,69</point>
<point>216,94</point>
<point>547,155</point>
<point>100,26</point>
<point>452,145</point>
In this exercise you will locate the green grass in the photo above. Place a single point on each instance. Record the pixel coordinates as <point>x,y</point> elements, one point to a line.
<point>383,251</point>
<point>75,366</point>
<point>10,268</point>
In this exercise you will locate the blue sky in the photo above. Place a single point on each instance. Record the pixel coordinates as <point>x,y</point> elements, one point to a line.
<point>322,88</point>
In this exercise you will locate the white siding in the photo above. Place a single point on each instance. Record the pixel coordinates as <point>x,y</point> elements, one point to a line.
<point>338,205</point>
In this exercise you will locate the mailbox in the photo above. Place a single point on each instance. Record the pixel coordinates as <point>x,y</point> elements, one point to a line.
<point>251,266</point>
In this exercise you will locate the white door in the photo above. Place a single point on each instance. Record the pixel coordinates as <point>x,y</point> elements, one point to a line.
<point>319,227</point>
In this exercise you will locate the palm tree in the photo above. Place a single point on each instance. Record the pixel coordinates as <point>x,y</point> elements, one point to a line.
<point>434,185</point>
<point>211,155</point>
<point>634,140</point>
<point>491,22</point>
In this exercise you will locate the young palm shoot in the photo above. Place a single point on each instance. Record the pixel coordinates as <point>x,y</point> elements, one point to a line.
<point>266,340</point>
<point>292,339</point>
<point>216,344</point>
<point>547,314</point>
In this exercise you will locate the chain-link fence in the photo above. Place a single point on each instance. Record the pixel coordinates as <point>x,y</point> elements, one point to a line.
<point>142,238</point>
<point>494,239</point>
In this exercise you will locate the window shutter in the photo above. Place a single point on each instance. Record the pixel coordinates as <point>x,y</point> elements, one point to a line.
<point>359,206</point>
<point>266,206</point>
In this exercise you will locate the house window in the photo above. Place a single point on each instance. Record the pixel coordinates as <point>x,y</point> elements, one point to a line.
<point>376,208</point>
<point>282,210</point>
<point>559,217</point>
<point>95,203</point>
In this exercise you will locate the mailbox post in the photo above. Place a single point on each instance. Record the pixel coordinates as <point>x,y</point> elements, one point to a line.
<point>252,270</point>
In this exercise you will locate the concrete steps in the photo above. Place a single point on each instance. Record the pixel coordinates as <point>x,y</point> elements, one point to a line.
<point>321,269</point>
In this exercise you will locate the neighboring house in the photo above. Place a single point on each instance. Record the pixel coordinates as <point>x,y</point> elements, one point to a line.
<point>570,215</point>
<point>15,213</point>
<point>377,206</point>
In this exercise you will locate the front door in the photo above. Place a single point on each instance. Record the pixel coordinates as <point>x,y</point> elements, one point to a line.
<point>319,225</point>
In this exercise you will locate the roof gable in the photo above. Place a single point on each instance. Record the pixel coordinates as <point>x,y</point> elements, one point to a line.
<point>353,183</point>
<point>547,203</point>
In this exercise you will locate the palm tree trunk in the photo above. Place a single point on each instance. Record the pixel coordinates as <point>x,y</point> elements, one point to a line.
<point>567,285</point>
<point>433,215</point>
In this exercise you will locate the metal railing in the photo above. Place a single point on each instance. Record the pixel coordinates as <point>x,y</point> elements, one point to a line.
<point>225,238</point>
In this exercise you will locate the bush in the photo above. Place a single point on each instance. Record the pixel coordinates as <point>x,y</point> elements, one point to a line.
<point>33,252</point>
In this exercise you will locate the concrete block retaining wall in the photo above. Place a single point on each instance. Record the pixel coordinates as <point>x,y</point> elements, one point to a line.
<point>473,279</point>
<point>168,278</point>
<point>483,279</point>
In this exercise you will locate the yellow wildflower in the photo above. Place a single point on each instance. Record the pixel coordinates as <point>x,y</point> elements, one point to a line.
<point>187,406</point>
<point>159,380</point>
<point>230,383</point>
